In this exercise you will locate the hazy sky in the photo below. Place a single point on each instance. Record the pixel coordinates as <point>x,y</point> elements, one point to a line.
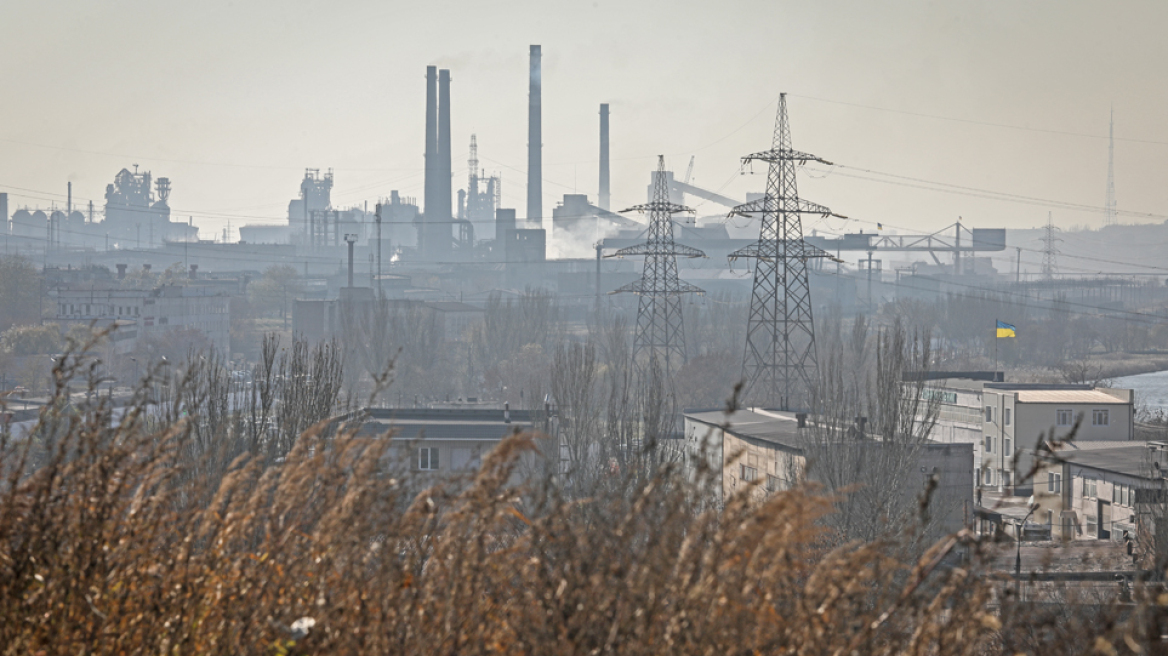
<point>233,100</point>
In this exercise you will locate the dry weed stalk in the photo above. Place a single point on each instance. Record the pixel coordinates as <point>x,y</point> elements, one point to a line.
<point>101,551</point>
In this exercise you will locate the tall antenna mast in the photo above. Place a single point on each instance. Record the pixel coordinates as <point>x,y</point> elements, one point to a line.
<point>780,363</point>
<point>1109,217</point>
<point>660,335</point>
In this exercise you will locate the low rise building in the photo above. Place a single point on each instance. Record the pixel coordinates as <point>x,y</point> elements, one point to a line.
<point>446,442</point>
<point>1099,490</point>
<point>774,449</point>
<point>139,313</point>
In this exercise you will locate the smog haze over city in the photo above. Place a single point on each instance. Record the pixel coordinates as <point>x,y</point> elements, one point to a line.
<point>640,327</point>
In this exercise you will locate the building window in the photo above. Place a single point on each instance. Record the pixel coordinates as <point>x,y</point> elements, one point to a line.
<point>1065,417</point>
<point>1100,417</point>
<point>989,444</point>
<point>989,477</point>
<point>989,414</point>
<point>774,483</point>
<point>1089,488</point>
<point>1006,416</point>
<point>1007,443</point>
<point>748,473</point>
<point>1121,495</point>
<point>428,458</point>
<point>1054,483</point>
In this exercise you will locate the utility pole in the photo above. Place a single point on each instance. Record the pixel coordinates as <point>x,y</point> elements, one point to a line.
<point>1110,216</point>
<point>957,248</point>
<point>660,331</point>
<point>598,250</point>
<point>780,362</point>
<point>871,307</point>
<point>1018,266</point>
<point>378,218</point>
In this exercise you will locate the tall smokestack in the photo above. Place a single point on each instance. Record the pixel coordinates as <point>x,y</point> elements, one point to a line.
<point>431,193</point>
<point>535,143</point>
<point>604,192</point>
<point>3,214</point>
<point>446,216</point>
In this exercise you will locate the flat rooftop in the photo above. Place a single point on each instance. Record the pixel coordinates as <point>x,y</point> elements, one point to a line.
<point>772,426</point>
<point>445,424</point>
<point>1093,397</point>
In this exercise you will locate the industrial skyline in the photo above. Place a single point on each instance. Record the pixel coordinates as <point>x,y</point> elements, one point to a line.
<point>228,121</point>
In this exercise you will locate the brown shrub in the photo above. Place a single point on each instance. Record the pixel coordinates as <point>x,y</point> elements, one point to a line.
<point>102,550</point>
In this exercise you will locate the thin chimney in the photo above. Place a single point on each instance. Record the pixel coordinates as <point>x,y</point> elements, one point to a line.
<point>446,214</point>
<point>535,142</point>
<point>604,190</point>
<point>430,200</point>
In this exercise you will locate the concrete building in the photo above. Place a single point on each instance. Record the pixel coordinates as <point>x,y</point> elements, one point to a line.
<point>771,448</point>
<point>1002,419</point>
<point>1099,490</point>
<point>140,313</point>
<point>446,442</point>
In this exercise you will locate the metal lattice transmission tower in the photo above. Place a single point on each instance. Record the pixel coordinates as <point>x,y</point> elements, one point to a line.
<point>1109,217</point>
<point>780,363</point>
<point>1049,250</point>
<point>660,331</point>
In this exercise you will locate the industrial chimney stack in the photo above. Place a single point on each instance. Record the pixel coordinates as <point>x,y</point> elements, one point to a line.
<point>446,214</point>
<point>437,216</point>
<point>430,195</point>
<point>535,144</point>
<point>604,191</point>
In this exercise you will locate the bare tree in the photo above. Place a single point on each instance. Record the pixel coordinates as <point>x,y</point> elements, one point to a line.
<point>865,440</point>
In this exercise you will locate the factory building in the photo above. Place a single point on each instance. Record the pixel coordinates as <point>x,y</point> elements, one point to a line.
<point>139,313</point>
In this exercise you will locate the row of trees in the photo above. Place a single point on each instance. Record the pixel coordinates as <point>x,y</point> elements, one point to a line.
<point>1049,333</point>
<point>134,534</point>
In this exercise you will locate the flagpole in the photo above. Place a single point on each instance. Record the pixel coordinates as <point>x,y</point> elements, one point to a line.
<point>995,346</point>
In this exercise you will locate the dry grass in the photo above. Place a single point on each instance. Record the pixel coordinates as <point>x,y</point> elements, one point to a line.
<point>105,549</point>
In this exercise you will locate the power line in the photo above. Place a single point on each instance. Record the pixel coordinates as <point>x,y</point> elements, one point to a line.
<point>983,193</point>
<point>1068,133</point>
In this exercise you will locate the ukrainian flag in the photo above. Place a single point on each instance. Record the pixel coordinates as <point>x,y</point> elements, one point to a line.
<point>1005,329</point>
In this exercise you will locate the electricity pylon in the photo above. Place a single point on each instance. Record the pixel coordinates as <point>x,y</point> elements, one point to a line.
<point>660,331</point>
<point>1049,250</point>
<point>780,365</point>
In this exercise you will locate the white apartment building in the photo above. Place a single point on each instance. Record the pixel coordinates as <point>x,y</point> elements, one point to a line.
<point>141,312</point>
<point>1005,421</point>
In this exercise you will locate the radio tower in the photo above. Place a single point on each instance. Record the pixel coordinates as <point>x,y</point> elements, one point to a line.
<point>1109,217</point>
<point>1049,250</point>
<point>660,332</point>
<point>780,364</point>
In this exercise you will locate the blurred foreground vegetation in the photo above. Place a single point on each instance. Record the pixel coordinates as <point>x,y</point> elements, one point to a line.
<point>170,525</point>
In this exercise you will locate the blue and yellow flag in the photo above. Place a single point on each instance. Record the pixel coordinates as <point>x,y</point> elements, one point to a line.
<point>1005,329</point>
